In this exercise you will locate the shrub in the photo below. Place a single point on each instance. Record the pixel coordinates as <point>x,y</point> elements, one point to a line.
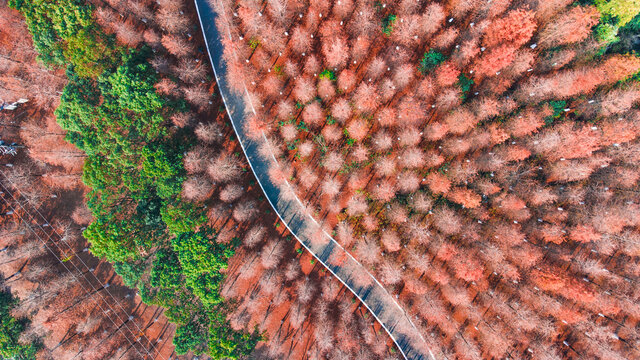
<point>387,24</point>
<point>430,61</point>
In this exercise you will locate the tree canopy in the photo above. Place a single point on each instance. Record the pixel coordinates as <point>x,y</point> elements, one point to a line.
<point>64,32</point>
<point>111,110</point>
<point>11,329</point>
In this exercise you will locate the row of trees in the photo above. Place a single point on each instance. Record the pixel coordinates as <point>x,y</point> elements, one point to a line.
<point>111,111</point>
<point>285,297</point>
<point>273,290</point>
<point>74,305</point>
<point>129,116</point>
<point>64,311</point>
<point>64,314</point>
<point>477,150</point>
<point>21,75</point>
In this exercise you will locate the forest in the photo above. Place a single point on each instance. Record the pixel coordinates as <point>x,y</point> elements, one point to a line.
<point>478,158</point>
<point>132,105</point>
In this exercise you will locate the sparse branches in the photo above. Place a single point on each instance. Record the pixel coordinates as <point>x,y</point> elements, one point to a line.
<point>224,168</point>
<point>176,45</point>
<point>335,50</point>
<point>569,27</point>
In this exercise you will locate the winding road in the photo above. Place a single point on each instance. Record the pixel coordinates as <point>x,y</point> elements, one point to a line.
<point>293,214</point>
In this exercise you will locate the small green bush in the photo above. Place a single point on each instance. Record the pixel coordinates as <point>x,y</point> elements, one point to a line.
<point>387,24</point>
<point>430,61</point>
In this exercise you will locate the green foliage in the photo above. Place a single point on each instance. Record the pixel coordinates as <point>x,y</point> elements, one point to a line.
<point>118,120</point>
<point>180,304</point>
<point>190,336</point>
<point>327,74</point>
<point>90,52</point>
<point>621,10</point>
<point>615,14</point>
<point>302,126</point>
<point>178,310</point>
<point>224,343</point>
<point>166,271</point>
<point>219,340</point>
<point>182,217</point>
<point>558,108</point>
<point>64,32</point>
<point>626,39</point>
<point>132,86</point>
<point>146,294</point>
<point>465,84</point>
<point>202,259</point>
<point>149,210</point>
<point>162,165</point>
<point>134,166</point>
<point>292,145</point>
<point>430,61</point>
<point>130,272</point>
<point>111,240</point>
<point>606,33</point>
<point>387,24</point>
<point>254,43</point>
<point>634,24</point>
<point>10,330</point>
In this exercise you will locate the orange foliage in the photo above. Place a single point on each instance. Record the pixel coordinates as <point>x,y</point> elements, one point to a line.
<point>583,233</point>
<point>572,26</point>
<point>467,268</point>
<point>460,121</point>
<point>447,74</point>
<point>391,241</point>
<point>516,27</point>
<point>335,51</point>
<point>313,114</point>
<point>495,60</point>
<point>465,197</point>
<point>346,80</point>
<point>358,129</point>
<point>488,184</point>
<point>438,183</point>
<point>366,98</point>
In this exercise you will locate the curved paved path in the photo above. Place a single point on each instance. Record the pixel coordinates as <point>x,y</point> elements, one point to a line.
<point>292,213</point>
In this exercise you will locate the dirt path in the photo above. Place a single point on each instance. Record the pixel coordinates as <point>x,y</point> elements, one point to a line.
<point>304,227</point>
